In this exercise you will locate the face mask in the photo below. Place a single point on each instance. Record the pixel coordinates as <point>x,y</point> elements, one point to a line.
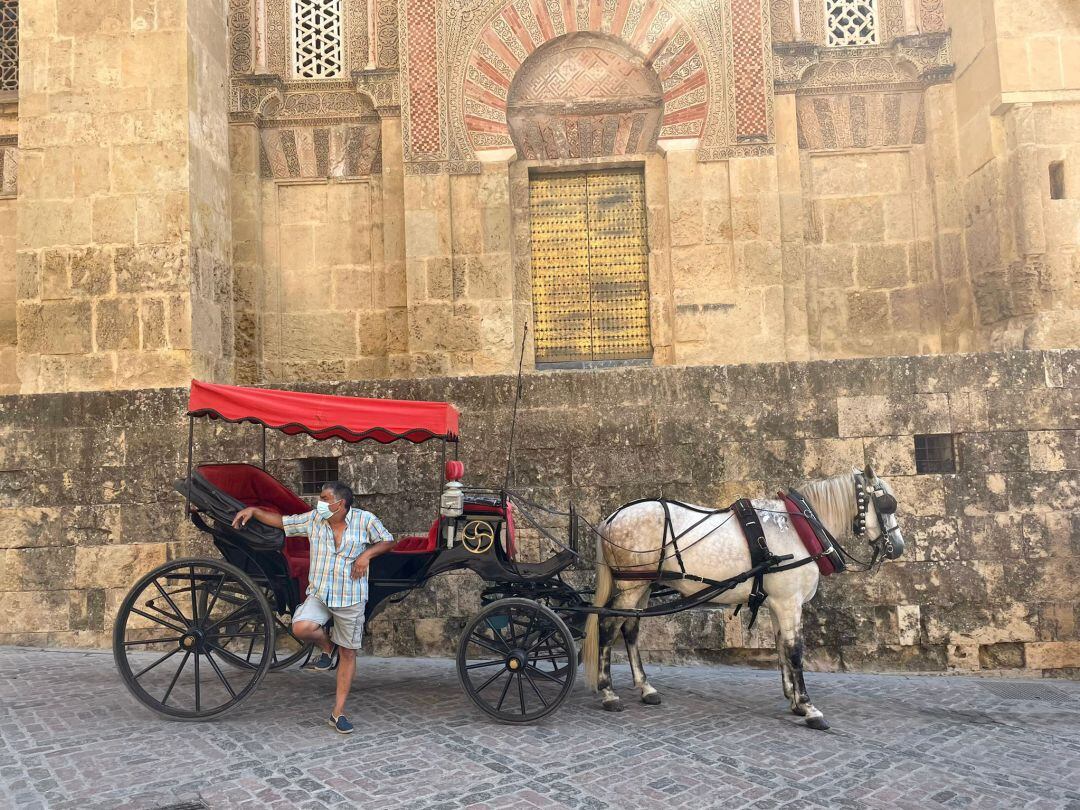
<point>324,510</point>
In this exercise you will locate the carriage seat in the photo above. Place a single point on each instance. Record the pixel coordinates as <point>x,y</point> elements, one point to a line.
<point>256,487</point>
<point>419,544</point>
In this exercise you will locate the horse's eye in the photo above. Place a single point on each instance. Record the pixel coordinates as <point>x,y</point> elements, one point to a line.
<point>886,504</point>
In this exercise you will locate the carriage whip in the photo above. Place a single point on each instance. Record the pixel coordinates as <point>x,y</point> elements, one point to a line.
<point>517,399</point>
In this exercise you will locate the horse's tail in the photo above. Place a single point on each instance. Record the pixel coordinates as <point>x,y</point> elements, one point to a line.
<point>590,649</point>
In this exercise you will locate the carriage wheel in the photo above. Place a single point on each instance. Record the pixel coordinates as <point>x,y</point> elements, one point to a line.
<point>179,625</point>
<point>517,660</point>
<point>288,649</point>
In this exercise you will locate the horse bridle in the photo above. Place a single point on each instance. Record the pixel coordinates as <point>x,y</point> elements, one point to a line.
<point>884,504</point>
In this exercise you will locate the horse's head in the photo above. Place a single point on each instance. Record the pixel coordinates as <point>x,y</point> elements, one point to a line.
<point>875,517</point>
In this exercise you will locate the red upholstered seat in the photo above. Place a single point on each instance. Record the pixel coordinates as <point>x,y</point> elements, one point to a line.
<point>256,487</point>
<point>419,544</point>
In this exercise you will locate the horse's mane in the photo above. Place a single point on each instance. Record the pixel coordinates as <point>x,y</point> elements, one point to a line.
<point>834,500</point>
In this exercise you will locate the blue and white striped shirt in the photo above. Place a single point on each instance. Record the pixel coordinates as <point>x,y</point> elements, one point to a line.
<point>330,575</point>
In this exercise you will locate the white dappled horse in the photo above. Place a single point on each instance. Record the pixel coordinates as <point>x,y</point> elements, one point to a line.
<point>850,506</point>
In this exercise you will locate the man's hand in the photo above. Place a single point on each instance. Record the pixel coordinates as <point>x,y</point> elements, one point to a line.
<point>242,517</point>
<point>360,566</point>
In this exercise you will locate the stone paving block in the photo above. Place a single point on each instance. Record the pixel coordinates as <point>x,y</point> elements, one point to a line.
<point>72,737</point>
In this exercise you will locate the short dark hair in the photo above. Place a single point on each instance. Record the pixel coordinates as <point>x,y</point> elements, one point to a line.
<point>342,492</point>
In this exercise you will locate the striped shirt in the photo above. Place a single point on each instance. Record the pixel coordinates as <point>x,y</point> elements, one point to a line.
<point>331,567</point>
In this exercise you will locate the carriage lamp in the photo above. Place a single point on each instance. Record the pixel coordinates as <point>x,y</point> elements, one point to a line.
<point>452,501</point>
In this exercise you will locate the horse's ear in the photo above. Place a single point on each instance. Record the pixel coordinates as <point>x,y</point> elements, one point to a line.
<point>869,473</point>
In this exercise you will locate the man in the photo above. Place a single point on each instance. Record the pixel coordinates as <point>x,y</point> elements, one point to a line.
<point>344,541</point>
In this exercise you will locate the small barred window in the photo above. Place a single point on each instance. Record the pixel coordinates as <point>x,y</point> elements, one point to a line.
<point>315,473</point>
<point>9,46</point>
<point>851,22</point>
<point>317,39</point>
<point>935,453</point>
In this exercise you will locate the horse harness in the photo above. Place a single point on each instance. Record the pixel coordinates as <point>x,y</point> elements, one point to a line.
<point>762,560</point>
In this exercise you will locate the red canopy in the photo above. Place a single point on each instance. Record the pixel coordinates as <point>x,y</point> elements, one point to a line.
<point>322,416</point>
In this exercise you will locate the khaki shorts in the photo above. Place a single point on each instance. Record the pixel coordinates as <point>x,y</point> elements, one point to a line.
<point>348,627</point>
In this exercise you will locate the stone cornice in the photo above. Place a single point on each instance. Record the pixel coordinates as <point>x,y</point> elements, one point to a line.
<point>909,62</point>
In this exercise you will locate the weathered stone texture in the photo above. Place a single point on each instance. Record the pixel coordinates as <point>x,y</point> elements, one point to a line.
<point>989,579</point>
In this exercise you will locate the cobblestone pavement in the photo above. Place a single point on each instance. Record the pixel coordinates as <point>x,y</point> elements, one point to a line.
<point>73,737</point>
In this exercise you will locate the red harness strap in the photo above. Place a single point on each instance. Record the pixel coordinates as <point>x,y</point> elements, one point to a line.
<point>808,536</point>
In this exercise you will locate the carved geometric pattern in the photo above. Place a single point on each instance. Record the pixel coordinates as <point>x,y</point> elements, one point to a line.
<point>423,102</point>
<point>650,27</point>
<point>386,33</point>
<point>240,28</point>
<point>9,170</point>
<point>932,16</point>
<point>317,39</point>
<point>783,20</point>
<point>750,101</point>
<point>851,22</point>
<point>9,45</point>
<point>584,96</point>
<point>860,120</point>
<point>338,151</point>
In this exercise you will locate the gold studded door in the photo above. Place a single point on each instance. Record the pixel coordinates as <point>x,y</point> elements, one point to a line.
<point>590,266</point>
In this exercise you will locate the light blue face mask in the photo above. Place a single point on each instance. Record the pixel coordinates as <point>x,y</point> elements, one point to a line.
<point>324,510</point>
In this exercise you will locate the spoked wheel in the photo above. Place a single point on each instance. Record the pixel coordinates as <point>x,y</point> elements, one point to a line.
<point>179,625</point>
<point>288,649</point>
<point>517,660</point>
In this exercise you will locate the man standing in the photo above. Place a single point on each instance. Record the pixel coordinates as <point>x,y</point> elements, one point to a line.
<point>344,541</point>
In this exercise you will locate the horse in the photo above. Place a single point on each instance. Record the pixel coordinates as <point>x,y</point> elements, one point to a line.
<point>632,545</point>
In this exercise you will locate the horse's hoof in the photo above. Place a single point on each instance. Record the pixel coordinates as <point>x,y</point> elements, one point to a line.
<point>799,710</point>
<point>613,706</point>
<point>651,699</point>
<point>817,723</point>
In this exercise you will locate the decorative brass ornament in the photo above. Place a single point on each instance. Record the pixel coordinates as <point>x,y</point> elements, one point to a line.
<point>478,536</point>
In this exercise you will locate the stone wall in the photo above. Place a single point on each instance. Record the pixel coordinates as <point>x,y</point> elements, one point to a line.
<point>989,580</point>
<point>123,241</point>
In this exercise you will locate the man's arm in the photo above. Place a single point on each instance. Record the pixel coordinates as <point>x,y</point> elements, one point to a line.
<point>261,515</point>
<point>360,565</point>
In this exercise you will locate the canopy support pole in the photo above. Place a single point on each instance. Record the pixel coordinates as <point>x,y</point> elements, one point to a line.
<point>264,448</point>
<point>190,448</point>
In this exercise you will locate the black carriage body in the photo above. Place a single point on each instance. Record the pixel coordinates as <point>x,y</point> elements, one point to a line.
<point>263,552</point>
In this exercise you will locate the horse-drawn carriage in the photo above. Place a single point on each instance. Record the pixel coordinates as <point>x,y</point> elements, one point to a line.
<point>195,636</point>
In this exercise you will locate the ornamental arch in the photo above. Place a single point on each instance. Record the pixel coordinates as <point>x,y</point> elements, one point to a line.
<point>488,51</point>
<point>584,95</point>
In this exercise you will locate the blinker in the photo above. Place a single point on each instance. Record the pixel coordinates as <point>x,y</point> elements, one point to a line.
<point>885,504</point>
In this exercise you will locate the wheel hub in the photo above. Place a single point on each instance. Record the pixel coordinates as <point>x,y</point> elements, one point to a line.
<point>192,641</point>
<point>516,661</point>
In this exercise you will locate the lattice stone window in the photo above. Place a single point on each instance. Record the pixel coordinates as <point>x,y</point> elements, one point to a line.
<point>851,22</point>
<point>9,45</point>
<point>315,473</point>
<point>318,52</point>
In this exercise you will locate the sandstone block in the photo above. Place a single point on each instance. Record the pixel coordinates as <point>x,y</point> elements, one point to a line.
<point>38,569</point>
<point>54,327</point>
<point>1052,654</point>
<point>152,268</point>
<point>28,527</point>
<point>116,323</point>
<point>115,566</point>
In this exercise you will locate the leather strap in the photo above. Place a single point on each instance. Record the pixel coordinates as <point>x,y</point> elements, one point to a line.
<point>759,552</point>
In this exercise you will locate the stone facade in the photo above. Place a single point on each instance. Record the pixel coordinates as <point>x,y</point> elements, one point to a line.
<point>177,200</point>
<point>805,201</point>
<point>989,580</point>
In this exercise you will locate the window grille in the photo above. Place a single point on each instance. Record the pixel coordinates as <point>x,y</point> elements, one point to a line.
<point>851,22</point>
<point>317,41</point>
<point>9,46</point>
<point>935,453</point>
<point>315,473</point>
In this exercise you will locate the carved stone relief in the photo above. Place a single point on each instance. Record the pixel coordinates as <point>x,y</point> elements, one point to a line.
<point>585,95</point>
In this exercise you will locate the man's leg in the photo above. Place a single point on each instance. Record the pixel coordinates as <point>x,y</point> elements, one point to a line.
<point>313,632</point>
<point>345,672</point>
